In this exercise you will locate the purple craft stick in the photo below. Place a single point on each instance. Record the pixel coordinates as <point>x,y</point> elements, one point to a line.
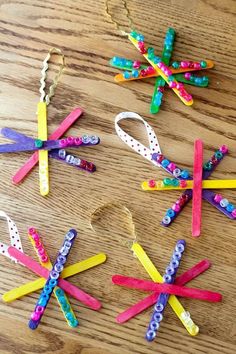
<point>63,156</point>
<point>28,144</point>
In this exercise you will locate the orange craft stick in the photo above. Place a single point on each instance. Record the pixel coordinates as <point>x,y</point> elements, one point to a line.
<point>197,188</point>
<point>33,160</point>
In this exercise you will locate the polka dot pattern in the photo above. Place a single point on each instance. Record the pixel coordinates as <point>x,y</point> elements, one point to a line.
<point>14,237</point>
<point>144,151</point>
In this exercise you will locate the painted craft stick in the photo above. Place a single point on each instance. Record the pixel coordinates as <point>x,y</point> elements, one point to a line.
<point>69,271</point>
<point>43,154</point>
<point>197,188</point>
<point>60,295</point>
<point>52,280</point>
<point>69,288</point>
<point>58,133</point>
<point>171,289</point>
<point>179,310</point>
<point>150,300</point>
<point>176,184</point>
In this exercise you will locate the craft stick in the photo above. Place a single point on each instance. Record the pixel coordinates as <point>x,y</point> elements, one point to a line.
<point>197,188</point>
<point>43,154</point>
<point>206,184</point>
<point>120,77</point>
<point>44,260</point>
<point>62,156</point>
<point>33,160</point>
<point>69,288</point>
<point>67,272</point>
<point>16,136</point>
<point>159,82</point>
<point>139,252</point>
<point>150,300</point>
<point>147,285</point>
<point>180,91</point>
<point>194,80</point>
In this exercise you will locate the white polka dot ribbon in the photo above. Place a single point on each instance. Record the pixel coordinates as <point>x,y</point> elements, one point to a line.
<point>144,151</point>
<point>14,237</point>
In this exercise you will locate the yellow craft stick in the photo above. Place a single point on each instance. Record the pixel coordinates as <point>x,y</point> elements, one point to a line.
<point>43,154</point>
<point>160,72</point>
<point>206,184</point>
<point>120,77</point>
<point>183,315</point>
<point>66,273</point>
<point>48,265</point>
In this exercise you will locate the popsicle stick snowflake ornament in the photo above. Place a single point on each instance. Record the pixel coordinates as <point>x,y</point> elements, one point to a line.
<point>182,178</point>
<point>54,274</point>
<point>173,76</point>
<point>159,285</point>
<point>51,146</point>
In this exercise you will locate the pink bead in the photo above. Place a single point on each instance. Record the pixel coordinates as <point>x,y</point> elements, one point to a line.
<point>44,258</point>
<point>161,89</point>
<point>171,167</point>
<point>217,198</point>
<point>35,316</point>
<point>187,76</point>
<point>31,230</point>
<point>39,309</point>
<point>172,84</point>
<point>63,143</point>
<point>141,44</point>
<point>143,51</point>
<point>188,97</point>
<point>70,140</point>
<point>234,213</point>
<point>184,64</point>
<point>197,65</point>
<point>143,72</point>
<point>176,207</point>
<point>151,183</point>
<point>35,237</point>
<point>136,64</point>
<point>179,85</point>
<point>224,149</point>
<point>161,65</point>
<point>168,72</point>
<point>150,70</point>
<point>183,183</point>
<point>37,243</point>
<point>41,251</point>
<point>78,141</point>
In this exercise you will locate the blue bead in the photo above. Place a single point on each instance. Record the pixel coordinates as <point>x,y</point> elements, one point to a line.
<point>198,80</point>
<point>116,60</point>
<point>170,213</point>
<point>140,38</point>
<point>150,50</point>
<point>150,335</point>
<point>230,208</point>
<point>156,60</point>
<point>165,162</point>
<point>185,174</point>
<point>135,73</point>
<point>126,75</point>
<point>42,302</point>
<point>129,63</point>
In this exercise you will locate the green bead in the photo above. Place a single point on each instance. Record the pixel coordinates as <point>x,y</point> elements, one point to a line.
<point>203,64</point>
<point>175,182</point>
<point>175,65</point>
<point>207,166</point>
<point>133,34</point>
<point>38,143</point>
<point>218,155</point>
<point>171,30</point>
<point>167,181</point>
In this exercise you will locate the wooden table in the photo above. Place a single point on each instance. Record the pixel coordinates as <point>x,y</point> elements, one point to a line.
<point>205,29</point>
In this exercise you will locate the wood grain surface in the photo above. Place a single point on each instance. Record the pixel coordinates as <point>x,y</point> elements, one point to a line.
<point>205,29</point>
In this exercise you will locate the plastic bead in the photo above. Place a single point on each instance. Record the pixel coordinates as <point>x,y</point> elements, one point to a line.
<point>207,166</point>
<point>136,64</point>
<point>224,202</point>
<point>70,159</point>
<point>166,181</point>
<point>230,208</point>
<point>177,172</point>
<point>170,213</point>
<point>166,220</point>
<point>94,139</point>
<point>223,149</point>
<point>165,162</point>
<point>203,64</point>
<point>218,155</point>
<point>86,139</point>
<point>175,65</point>
<point>152,183</point>
<point>62,154</point>
<point>185,174</point>
<point>135,73</point>
<point>176,208</point>
<point>234,213</point>
<point>38,143</point>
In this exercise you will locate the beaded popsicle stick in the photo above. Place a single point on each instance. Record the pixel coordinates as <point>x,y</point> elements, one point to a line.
<point>150,300</point>
<point>33,160</point>
<point>69,271</point>
<point>179,310</point>
<point>43,154</point>
<point>69,288</point>
<point>161,68</point>
<point>162,300</point>
<point>59,293</point>
<point>171,289</point>
<point>176,184</point>
<point>52,280</point>
<point>160,83</point>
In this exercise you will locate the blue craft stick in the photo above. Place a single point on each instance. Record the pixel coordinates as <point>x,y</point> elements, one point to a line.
<point>169,277</point>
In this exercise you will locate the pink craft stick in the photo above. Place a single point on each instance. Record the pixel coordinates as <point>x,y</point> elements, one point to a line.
<point>150,300</point>
<point>177,290</point>
<point>197,188</point>
<point>63,284</point>
<point>33,160</point>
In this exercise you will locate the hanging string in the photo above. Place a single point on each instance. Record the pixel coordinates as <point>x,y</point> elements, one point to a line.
<point>128,16</point>
<point>46,97</point>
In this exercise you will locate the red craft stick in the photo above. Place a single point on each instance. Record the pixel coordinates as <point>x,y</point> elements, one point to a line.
<point>150,300</point>
<point>197,188</point>
<point>33,160</point>
<point>177,290</point>
<point>63,284</point>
